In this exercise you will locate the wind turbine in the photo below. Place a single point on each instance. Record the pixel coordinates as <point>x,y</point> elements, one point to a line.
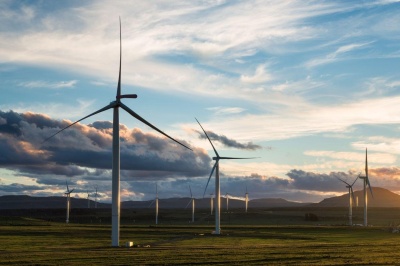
<point>115,105</point>
<point>366,183</point>
<point>156,201</point>
<point>246,199</point>
<point>211,203</point>
<point>191,201</point>
<point>95,198</point>
<point>88,199</point>
<point>351,199</point>
<point>68,193</point>
<point>227,201</point>
<point>217,184</point>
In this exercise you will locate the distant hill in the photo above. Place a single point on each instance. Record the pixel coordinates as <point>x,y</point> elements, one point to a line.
<point>382,198</point>
<point>28,202</point>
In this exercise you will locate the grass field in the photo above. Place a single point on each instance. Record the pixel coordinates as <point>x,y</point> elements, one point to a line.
<point>28,241</point>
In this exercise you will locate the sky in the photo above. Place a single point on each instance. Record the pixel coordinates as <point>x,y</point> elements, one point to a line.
<point>304,86</point>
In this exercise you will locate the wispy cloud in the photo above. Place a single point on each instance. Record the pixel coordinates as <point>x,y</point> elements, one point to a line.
<point>226,110</point>
<point>49,85</point>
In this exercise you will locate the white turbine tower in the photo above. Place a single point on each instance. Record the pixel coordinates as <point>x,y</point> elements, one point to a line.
<point>191,201</point>
<point>217,184</point>
<point>366,183</point>
<point>115,105</point>
<point>211,203</point>
<point>68,193</point>
<point>351,199</point>
<point>95,198</point>
<point>88,199</point>
<point>246,198</point>
<point>156,202</point>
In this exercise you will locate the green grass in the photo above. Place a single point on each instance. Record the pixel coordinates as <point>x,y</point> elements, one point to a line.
<point>33,242</point>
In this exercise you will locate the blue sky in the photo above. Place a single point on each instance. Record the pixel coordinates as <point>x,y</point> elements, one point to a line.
<point>304,85</point>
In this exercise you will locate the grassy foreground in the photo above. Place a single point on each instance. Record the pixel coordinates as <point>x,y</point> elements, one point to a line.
<point>33,242</point>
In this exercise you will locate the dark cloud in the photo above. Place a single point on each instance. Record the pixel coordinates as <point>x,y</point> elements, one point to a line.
<point>228,142</point>
<point>82,150</point>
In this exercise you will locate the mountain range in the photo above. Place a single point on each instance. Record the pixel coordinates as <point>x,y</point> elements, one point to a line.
<point>381,198</point>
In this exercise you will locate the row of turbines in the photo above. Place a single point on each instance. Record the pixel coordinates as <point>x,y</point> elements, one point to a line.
<point>366,184</point>
<point>68,195</point>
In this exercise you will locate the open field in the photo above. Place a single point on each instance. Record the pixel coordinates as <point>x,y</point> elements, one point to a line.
<point>32,241</point>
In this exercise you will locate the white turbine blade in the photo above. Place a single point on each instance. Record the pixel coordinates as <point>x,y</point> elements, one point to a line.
<point>120,59</point>
<point>191,195</point>
<point>237,158</point>
<point>212,171</point>
<point>190,201</point>
<point>343,181</point>
<point>151,203</point>
<point>369,185</point>
<point>216,153</point>
<point>67,185</point>
<point>138,117</point>
<point>352,194</point>
<point>111,105</point>
<point>366,163</point>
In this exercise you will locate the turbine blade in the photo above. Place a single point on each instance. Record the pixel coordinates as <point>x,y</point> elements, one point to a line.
<point>212,171</point>
<point>71,190</point>
<point>216,153</point>
<point>151,203</point>
<point>67,185</point>
<point>138,117</point>
<point>191,195</point>
<point>236,158</point>
<point>343,181</point>
<point>111,105</point>
<point>120,59</point>
<point>355,180</point>
<point>369,185</point>
<point>366,163</point>
<point>190,201</point>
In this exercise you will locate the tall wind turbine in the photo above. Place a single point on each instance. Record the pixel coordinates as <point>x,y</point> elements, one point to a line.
<point>217,184</point>
<point>366,183</point>
<point>68,193</point>
<point>191,201</point>
<point>115,105</point>
<point>88,199</point>
<point>211,203</point>
<point>351,199</point>
<point>246,198</point>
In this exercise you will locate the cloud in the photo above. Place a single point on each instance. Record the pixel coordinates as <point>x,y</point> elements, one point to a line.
<point>229,142</point>
<point>260,76</point>
<point>226,111</point>
<point>80,150</point>
<point>50,85</point>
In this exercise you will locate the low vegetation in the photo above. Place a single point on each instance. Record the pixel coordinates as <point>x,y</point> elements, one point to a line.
<point>33,241</point>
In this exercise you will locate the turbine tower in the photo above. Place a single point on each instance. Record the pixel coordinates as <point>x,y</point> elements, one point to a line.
<point>366,183</point>
<point>68,193</point>
<point>156,202</point>
<point>351,199</point>
<point>246,198</point>
<point>191,201</point>
<point>88,199</point>
<point>211,203</point>
<point>115,105</point>
<point>217,184</point>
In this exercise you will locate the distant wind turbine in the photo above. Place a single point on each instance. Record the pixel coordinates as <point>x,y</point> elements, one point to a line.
<point>351,199</point>
<point>366,183</point>
<point>217,184</point>
<point>95,198</point>
<point>227,201</point>
<point>115,105</point>
<point>88,199</point>
<point>191,201</point>
<point>68,193</point>
<point>246,198</point>
<point>156,202</point>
